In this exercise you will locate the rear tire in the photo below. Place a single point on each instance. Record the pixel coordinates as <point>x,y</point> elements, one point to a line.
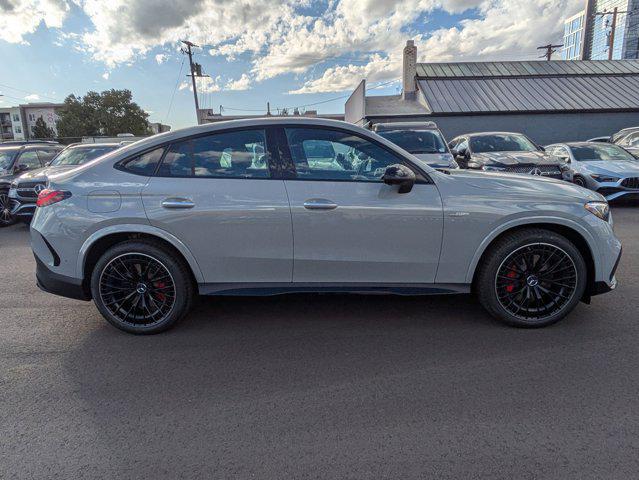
<point>6,218</point>
<point>139,286</point>
<point>531,278</point>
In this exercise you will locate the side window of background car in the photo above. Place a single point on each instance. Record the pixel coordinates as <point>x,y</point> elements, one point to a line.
<point>238,154</point>
<point>30,160</point>
<point>47,154</point>
<point>320,154</point>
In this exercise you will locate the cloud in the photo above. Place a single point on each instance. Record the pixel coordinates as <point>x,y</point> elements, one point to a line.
<point>32,97</point>
<point>242,83</point>
<point>160,58</point>
<point>106,75</point>
<point>19,18</point>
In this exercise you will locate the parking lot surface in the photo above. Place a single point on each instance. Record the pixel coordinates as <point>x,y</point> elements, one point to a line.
<point>321,386</point>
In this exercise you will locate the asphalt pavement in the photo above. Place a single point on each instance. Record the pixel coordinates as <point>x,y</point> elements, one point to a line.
<point>318,386</point>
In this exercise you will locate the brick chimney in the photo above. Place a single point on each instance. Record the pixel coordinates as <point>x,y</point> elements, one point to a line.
<point>409,70</point>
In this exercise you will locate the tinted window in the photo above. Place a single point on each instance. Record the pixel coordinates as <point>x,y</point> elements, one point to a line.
<point>501,143</point>
<point>144,164</point>
<point>47,154</point>
<point>6,159</point>
<point>240,154</point>
<point>598,153</point>
<point>320,154</point>
<point>417,141</point>
<point>80,155</point>
<point>631,140</point>
<point>30,159</point>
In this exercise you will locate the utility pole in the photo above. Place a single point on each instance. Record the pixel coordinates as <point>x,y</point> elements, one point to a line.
<point>550,49</point>
<point>196,71</point>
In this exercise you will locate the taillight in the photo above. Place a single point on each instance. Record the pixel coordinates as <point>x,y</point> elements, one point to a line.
<point>48,197</point>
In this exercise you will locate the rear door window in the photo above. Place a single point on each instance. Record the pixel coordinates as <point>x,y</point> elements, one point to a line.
<point>29,158</point>
<point>236,154</point>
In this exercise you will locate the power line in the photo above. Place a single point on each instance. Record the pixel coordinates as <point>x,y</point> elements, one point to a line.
<point>26,91</point>
<point>174,90</point>
<point>550,49</point>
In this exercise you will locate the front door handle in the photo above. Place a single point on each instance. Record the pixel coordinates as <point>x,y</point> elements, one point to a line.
<point>319,204</point>
<point>177,203</point>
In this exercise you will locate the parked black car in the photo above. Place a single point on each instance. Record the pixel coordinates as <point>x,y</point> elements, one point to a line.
<point>15,159</point>
<point>25,188</point>
<point>504,152</point>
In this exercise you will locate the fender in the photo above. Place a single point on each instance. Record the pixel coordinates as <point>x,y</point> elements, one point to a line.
<point>138,228</point>
<point>561,221</point>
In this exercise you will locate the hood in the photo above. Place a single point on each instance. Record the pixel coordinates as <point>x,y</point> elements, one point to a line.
<point>617,168</point>
<point>507,184</point>
<point>508,159</point>
<point>436,160</point>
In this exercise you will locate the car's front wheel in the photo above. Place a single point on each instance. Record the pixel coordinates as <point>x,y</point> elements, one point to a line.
<point>141,287</point>
<point>531,278</point>
<point>6,218</point>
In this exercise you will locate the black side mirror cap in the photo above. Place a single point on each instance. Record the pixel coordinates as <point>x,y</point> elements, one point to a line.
<point>400,175</point>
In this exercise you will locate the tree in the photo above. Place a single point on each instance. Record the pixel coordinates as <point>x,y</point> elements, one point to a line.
<point>42,130</point>
<point>107,113</point>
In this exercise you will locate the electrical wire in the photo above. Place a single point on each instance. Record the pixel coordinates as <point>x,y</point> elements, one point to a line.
<point>174,90</point>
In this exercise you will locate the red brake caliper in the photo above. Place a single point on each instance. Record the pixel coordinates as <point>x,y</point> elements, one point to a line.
<point>511,287</point>
<point>159,295</point>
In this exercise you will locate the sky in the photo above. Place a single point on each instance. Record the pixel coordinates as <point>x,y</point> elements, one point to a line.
<point>291,53</point>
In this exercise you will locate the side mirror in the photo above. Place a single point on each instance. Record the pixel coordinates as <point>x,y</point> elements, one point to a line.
<point>541,148</point>
<point>399,175</point>
<point>453,152</point>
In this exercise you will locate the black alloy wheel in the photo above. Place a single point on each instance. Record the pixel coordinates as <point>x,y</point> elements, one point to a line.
<point>6,217</point>
<point>536,281</point>
<point>579,181</point>
<point>142,286</point>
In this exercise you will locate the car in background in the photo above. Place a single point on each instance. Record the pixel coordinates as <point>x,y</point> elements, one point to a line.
<point>604,139</point>
<point>422,139</point>
<point>256,207</point>
<point>504,152</point>
<point>607,169</point>
<point>628,139</point>
<point>16,158</point>
<point>24,190</point>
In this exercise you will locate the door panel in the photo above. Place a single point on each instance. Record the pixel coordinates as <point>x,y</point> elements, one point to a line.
<point>374,234</point>
<point>239,230</point>
<point>217,194</point>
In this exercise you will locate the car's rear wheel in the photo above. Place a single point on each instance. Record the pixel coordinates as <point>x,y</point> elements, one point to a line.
<point>6,218</point>
<point>531,278</point>
<point>141,287</point>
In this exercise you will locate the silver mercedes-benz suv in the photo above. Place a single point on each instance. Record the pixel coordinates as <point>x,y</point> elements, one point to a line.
<point>269,206</point>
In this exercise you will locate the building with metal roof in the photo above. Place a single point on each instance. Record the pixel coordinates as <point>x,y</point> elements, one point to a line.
<point>548,100</point>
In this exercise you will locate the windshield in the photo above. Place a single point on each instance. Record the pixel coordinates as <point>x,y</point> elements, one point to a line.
<point>6,159</point>
<point>78,156</point>
<point>501,143</point>
<point>416,141</point>
<point>599,153</point>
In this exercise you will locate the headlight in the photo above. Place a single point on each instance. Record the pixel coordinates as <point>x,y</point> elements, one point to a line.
<point>605,178</point>
<point>599,209</point>
<point>491,168</point>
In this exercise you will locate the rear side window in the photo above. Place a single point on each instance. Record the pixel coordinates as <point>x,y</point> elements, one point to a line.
<point>46,154</point>
<point>144,164</point>
<point>238,154</point>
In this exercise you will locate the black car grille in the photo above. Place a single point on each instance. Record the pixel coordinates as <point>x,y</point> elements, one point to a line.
<point>545,170</point>
<point>632,182</point>
<point>27,189</point>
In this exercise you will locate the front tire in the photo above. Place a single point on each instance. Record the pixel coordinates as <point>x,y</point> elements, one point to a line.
<point>580,181</point>
<point>531,278</point>
<point>6,218</point>
<point>141,287</point>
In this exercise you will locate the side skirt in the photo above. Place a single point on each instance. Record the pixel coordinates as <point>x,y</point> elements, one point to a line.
<point>267,289</point>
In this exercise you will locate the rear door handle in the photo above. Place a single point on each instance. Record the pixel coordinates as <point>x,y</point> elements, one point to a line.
<point>177,203</point>
<point>319,204</point>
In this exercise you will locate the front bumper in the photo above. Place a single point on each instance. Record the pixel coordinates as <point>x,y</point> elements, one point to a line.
<point>602,287</point>
<point>57,284</point>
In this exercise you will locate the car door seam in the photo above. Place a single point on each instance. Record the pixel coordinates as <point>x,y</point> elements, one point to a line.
<point>290,211</point>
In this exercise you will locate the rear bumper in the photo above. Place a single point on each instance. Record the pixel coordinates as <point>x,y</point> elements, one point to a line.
<point>57,284</point>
